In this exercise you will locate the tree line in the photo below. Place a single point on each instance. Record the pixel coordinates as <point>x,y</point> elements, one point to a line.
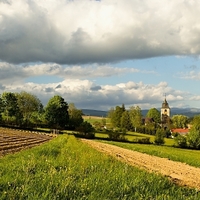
<point>132,120</point>
<point>25,110</point>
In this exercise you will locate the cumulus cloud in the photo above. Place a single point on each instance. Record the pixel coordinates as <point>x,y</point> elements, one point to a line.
<point>193,75</point>
<point>16,73</point>
<point>85,31</point>
<point>87,94</point>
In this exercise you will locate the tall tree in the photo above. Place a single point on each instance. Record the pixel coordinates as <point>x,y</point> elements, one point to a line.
<point>75,116</point>
<point>56,112</point>
<point>135,116</point>
<point>28,104</point>
<point>116,116</point>
<point>159,137</point>
<point>9,105</point>
<point>193,136</point>
<point>196,123</point>
<point>155,114</point>
<point>125,120</point>
<point>180,121</point>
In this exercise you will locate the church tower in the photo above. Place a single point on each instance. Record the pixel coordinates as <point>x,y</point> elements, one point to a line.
<point>165,113</point>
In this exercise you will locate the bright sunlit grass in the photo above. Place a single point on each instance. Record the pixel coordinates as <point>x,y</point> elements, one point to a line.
<point>66,168</point>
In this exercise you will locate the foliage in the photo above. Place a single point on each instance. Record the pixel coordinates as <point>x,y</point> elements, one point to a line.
<point>196,123</point>
<point>180,141</point>
<point>179,121</point>
<point>193,139</point>
<point>144,140</point>
<point>28,103</point>
<point>159,137</point>
<point>97,125</point>
<point>10,106</point>
<point>117,134</point>
<point>86,130</point>
<point>167,133</point>
<point>38,119</point>
<point>125,120</point>
<point>155,114</point>
<point>135,116</point>
<point>75,116</point>
<point>116,115</point>
<point>56,112</point>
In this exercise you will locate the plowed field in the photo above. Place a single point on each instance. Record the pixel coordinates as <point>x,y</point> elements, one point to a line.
<point>12,141</point>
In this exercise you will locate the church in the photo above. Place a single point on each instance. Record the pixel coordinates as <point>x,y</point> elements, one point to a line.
<point>165,114</point>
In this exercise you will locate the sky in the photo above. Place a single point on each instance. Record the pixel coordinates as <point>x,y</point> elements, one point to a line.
<point>100,54</point>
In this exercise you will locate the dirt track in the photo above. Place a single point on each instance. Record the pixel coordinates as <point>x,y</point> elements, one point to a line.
<point>178,172</point>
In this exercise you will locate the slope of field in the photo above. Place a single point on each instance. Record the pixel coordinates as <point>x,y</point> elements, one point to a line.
<point>66,168</point>
<point>14,140</point>
<point>178,172</point>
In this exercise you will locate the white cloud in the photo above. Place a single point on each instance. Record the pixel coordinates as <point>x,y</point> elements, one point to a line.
<point>87,94</point>
<point>195,98</point>
<point>17,73</point>
<point>193,75</point>
<point>85,31</point>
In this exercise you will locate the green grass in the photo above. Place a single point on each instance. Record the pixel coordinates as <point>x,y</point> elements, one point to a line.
<point>66,168</point>
<point>92,119</point>
<point>191,157</point>
<point>131,135</point>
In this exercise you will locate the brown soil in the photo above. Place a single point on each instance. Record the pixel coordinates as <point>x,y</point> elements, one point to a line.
<point>180,173</point>
<point>12,141</point>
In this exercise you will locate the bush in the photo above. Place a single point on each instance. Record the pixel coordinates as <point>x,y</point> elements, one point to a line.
<point>144,140</point>
<point>86,130</point>
<point>180,141</point>
<point>118,135</point>
<point>159,137</point>
<point>194,139</point>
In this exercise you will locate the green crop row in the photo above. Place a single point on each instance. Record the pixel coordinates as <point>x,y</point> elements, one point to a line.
<point>66,168</point>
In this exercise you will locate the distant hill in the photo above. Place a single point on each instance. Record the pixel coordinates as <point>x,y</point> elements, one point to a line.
<point>98,113</point>
<point>189,112</point>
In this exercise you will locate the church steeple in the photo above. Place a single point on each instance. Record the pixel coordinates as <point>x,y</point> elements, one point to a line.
<point>165,113</point>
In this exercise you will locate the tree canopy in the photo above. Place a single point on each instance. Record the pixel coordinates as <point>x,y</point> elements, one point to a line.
<point>56,112</point>
<point>75,116</point>
<point>155,114</point>
<point>135,116</point>
<point>179,121</point>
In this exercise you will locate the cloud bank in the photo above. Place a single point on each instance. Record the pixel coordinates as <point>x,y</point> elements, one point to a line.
<point>89,31</point>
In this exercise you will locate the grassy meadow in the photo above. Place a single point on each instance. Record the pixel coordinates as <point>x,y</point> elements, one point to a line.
<point>66,168</point>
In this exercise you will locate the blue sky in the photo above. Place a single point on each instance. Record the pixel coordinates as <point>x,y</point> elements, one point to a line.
<point>99,54</point>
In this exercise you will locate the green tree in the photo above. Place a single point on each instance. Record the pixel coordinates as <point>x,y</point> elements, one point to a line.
<point>9,105</point>
<point>28,104</point>
<point>75,116</point>
<point>56,112</point>
<point>155,114</point>
<point>179,121</point>
<point>86,130</point>
<point>180,141</point>
<point>125,121</point>
<point>116,116</point>
<point>196,123</point>
<point>135,117</point>
<point>159,137</point>
<point>193,136</point>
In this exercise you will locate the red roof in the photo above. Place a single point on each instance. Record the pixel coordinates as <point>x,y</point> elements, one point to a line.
<point>180,130</point>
